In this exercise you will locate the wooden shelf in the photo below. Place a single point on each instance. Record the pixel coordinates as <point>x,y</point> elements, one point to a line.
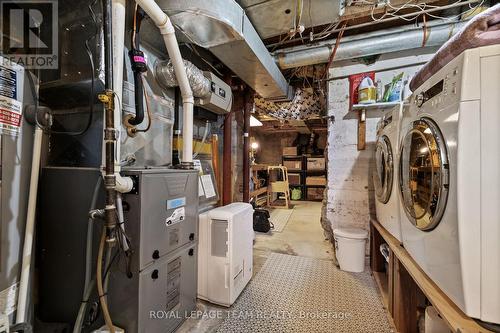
<point>406,273</point>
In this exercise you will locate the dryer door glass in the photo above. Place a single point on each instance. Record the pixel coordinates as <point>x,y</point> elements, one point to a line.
<point>384,169</point>
<point>424,174</point>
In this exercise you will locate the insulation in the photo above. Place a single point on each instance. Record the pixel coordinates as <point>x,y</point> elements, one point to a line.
<point>305,105</point>
<point>165,74</point>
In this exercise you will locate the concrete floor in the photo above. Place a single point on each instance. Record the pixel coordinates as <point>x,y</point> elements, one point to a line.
<point>302,236</point>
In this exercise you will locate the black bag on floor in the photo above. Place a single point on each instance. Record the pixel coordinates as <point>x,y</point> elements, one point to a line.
<point>261,221</point>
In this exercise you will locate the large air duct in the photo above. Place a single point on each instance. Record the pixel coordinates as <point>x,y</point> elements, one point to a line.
<point>223,28</point>
<point>377,42</point>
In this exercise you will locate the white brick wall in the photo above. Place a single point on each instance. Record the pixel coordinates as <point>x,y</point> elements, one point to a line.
<point>350,189</point>
<point>351,198</point>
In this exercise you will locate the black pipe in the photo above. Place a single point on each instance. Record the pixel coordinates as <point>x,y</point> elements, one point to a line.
<point>109,132</point>
<point>138,94</point>
<point>108,42</point>
<point>138,63</point>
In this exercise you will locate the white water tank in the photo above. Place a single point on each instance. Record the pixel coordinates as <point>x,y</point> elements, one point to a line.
<point>225,252</point>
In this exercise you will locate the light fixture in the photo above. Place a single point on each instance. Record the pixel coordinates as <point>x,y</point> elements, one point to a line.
<point>254,145</point>
<point>254,122</point>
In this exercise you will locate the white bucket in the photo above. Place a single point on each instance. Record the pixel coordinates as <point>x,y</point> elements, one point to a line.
<point>350,248</point>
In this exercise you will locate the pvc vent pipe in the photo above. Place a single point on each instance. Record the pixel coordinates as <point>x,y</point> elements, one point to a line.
<point>167,31</point>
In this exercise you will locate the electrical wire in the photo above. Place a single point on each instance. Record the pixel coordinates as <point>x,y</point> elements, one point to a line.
<point>404,17</point>
<point>99,278</point>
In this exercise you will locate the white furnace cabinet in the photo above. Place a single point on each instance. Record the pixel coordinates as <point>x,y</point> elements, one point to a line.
<point>225,253</point>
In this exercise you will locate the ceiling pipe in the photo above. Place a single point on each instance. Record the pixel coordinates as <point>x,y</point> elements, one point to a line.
<point>455,5</point>
<point>378,42</point>
<point>162,21</point>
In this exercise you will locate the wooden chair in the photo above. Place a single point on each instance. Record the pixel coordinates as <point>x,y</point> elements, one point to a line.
<point>278,186</point>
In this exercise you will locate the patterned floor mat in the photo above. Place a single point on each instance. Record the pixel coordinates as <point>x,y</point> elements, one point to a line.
<point>298,294</point>
<point>279,217</point>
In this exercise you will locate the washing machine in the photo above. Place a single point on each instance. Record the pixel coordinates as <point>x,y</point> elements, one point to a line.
<point>385,174</point>
<point>449,180</point>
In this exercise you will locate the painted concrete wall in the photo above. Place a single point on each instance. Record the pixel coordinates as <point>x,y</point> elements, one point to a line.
<point>350,199</point>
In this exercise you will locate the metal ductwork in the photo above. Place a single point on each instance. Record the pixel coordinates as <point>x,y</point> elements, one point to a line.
<point>223,28</point>
<point>377,42</point>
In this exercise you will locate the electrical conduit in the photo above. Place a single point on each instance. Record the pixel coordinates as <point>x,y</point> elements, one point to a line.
<point>167,31</point>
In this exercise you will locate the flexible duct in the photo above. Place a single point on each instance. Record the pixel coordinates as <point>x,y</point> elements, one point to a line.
<point>378,42</point>
<point>167,31</point>
<point>165,74</point>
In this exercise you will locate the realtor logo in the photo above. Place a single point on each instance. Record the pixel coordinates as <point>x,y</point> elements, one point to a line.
<point>30,33</point>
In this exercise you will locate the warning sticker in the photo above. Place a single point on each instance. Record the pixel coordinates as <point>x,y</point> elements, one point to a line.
<point>10,102</point>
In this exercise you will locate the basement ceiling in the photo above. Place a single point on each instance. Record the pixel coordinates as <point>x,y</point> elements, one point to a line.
<point>276,17</point>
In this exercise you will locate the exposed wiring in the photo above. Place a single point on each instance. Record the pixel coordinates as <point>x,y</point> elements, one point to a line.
<point>99,278</point>
<point>422,10</point>
<point>407,17</point>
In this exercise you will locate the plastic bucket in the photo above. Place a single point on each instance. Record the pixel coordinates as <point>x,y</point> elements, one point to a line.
<point>350,248</point>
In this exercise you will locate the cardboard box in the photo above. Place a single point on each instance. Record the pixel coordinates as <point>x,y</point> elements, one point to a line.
<point>293,165</point>
<point>316,180</point>
<point>294,178</point>
<point>316,163</point>
<point>315,193</point>
<point>290,151</point>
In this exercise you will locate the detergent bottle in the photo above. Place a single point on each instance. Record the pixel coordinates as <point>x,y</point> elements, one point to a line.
<point>367,93</point>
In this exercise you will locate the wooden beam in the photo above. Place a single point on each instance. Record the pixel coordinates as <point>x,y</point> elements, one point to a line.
<point>405,300</point>
<point>362,129</point>
<point>377,260</point>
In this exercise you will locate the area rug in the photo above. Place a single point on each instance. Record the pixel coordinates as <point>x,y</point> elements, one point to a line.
<point>279,218</point>
<point>298,294</point>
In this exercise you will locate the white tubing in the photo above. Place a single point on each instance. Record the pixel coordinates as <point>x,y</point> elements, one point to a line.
<point>30,228</point>
<point>168,32</point>
<point>118,26</point>
<point>123,184</point>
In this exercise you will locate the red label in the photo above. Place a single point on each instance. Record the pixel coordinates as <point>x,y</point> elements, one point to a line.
<point>10,118</point>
